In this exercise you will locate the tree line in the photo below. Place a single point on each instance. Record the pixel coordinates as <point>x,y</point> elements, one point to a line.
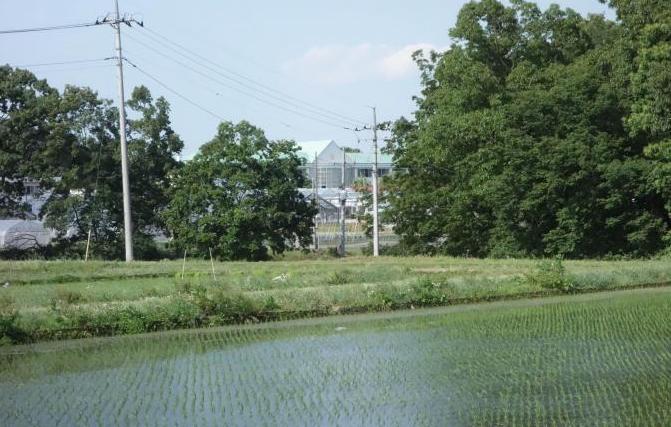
<point>540,133</point>
<point>537,133</point>
<point>237,197</point>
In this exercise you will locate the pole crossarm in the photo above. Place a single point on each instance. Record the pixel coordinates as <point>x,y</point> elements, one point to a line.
<point>116,20</point>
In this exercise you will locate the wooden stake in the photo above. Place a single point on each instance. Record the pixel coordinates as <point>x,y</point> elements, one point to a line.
<point>183,264</point>
<point>212,262</point>
<point>88,243</point>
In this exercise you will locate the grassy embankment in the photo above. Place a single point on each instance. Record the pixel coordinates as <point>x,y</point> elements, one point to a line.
<point>68,299</point>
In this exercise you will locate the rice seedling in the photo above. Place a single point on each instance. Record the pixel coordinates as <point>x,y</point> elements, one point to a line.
<point>598,359</point>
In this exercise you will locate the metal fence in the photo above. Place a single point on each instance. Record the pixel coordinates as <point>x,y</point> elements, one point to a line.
<point>355,237</point>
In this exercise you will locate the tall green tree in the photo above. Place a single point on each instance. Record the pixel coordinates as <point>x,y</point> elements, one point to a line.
<point>239,197</point>
<point>519,146</point>
<point>88,194</point>
<point>32,127</point>
<point>648,24</point>
<point>153,147</point>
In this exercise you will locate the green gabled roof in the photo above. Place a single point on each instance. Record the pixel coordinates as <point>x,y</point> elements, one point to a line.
<point>369,158</point>
<point>307,149</point>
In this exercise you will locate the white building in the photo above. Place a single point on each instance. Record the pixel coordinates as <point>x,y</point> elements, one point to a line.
<point>325,160</point>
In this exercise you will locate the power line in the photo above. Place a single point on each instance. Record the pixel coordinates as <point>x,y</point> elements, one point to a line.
<point>87,67</point>
<point>198,83</point>
<point>313,108</point>
<point>194,81</point>
<point>328,116</point>
<point>326,121</point>
<point>185,98</point>
<point>265,101</point>
<point>46,64</point>
<point>55,27</point>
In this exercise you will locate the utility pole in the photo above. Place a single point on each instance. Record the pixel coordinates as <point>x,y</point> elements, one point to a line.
<point>343,204</point>
<point>316,184</point>
<point>127,222</point>
<point>342,171</point>
<point>376,236</point>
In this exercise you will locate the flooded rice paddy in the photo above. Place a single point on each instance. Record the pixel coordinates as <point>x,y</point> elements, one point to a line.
<point>588,360</point>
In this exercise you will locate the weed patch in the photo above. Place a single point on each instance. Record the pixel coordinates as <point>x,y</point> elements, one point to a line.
<point>10,332</point>
<point>65,296</point>
<point>552,275</point>
<point>340,278</point>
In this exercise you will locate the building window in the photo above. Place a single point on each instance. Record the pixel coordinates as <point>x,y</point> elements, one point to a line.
<point>367,173</point>
<point>31,190</point>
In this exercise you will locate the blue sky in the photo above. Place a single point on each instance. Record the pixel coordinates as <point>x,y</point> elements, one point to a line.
<point>338,56</point>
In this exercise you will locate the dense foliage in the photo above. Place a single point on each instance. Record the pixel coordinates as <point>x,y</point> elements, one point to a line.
<point>540,133</point>
<point>537,133</point>
<point>88,193</point>
<point>33,128</point>
<point>238,197</point>
<point>69,143</point>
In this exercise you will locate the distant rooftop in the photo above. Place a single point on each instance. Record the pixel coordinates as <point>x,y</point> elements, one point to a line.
<point>369,158</point>
<point>308,149</point>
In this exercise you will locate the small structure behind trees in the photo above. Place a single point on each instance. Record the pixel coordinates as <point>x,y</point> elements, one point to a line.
<point>23,235</point>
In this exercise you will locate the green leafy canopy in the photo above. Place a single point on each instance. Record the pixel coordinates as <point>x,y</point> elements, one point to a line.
<point>239,196</point>
<point>536,134</point>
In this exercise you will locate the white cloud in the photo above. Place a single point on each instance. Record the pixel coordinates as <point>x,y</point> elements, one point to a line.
<point>399,63</point>
<point>341,64</point>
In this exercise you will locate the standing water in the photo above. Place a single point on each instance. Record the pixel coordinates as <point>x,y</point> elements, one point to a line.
<point>570,362</point>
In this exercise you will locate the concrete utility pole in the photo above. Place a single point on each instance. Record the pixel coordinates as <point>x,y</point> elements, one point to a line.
<point>342,170</point>
<point>127,222</point>
<point>376,236</point>
<point>316,184</point>
<point>343,204</point>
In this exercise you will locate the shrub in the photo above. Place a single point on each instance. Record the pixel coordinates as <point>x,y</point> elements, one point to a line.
<point>178,313</point>
<point>333,252</point>
<point>147,249</point>
<point>226,305</point>
<point>428,292</point>
<point>270,305</point>
<point>65,296</point>
<point>151,292</point>
<point>552,275</point>
<point>128,320</point>
<point>6,303</point>
<point>400,249</point>
<point>189,288</point>
<point>10,332</point>
<point>232,307</point>
<point>339,278</point>
<point>385,297</point>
